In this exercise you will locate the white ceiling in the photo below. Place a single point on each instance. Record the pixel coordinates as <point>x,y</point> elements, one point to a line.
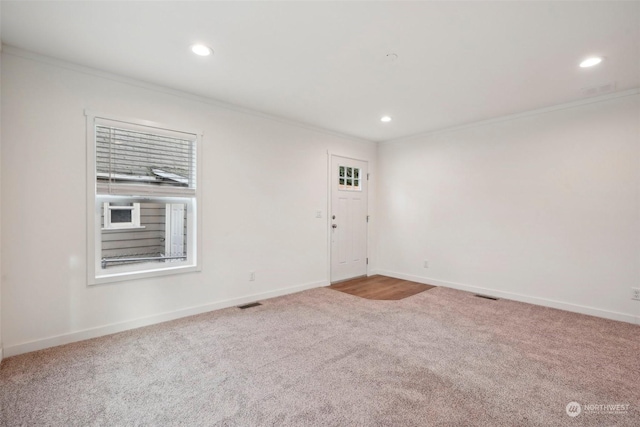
<point>323,63</point>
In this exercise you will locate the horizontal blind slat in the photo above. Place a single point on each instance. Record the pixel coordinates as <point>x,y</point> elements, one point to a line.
<point>152,148</point>
<point>117,133</point>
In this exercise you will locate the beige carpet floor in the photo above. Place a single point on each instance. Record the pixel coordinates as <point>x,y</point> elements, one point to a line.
<point>322,357</point>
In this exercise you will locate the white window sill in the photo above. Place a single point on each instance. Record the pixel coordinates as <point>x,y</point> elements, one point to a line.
<point>132,275</point>
<point>140,227</point>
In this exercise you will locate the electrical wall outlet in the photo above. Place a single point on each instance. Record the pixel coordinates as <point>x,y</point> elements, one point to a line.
<point>252,276</point>
<point>425,264</point>
<point>635,294</point>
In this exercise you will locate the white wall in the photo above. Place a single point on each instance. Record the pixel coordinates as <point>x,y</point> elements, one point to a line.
<point>543,208</point>
<point>263,180</point>
<point>1,346</point>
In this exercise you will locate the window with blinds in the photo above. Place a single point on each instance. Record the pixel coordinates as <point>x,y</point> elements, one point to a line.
<point>144,217</point>
<point>144,161</point>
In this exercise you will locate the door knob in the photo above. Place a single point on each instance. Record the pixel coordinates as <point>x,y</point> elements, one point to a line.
<point>334,225</point>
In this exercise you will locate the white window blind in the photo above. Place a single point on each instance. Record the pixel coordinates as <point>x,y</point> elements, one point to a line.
<point>137,160</point>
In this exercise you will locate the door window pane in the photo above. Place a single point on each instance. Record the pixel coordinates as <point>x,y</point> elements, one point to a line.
<point>349,178</point>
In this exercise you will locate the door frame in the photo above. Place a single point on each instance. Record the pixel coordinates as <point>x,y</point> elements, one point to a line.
<point>330,155</point>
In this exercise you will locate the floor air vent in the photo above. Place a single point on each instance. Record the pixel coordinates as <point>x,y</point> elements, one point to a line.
<point>486,297</point>
<point>253,304</point>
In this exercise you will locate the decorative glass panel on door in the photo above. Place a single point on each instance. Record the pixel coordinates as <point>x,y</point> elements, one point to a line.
<point>349,178</point>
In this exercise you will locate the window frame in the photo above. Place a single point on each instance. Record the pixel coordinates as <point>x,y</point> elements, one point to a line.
<point>135,217</point>
<point>96,275</point>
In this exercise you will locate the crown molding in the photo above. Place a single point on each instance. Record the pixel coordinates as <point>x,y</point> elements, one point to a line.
<point>37,57</point>
<point>529,113</point>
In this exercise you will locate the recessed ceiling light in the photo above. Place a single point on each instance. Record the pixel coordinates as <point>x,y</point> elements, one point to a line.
<point>385,119</point>
<point>202,50</point>
<point>590,62</point>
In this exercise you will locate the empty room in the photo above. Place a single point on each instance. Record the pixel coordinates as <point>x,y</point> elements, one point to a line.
<point>320,213</point>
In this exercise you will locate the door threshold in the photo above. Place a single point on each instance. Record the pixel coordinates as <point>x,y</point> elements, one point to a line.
<point>350,278</point>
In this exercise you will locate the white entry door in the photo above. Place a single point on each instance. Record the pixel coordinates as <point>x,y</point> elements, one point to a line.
<point>349,186</point>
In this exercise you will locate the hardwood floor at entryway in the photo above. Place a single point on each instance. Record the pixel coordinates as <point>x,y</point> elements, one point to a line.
<point>380,287</point>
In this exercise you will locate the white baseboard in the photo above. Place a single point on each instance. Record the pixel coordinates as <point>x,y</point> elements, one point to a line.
<point>592,311</point>
<point>1,356</point>
<point>113,328</point>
